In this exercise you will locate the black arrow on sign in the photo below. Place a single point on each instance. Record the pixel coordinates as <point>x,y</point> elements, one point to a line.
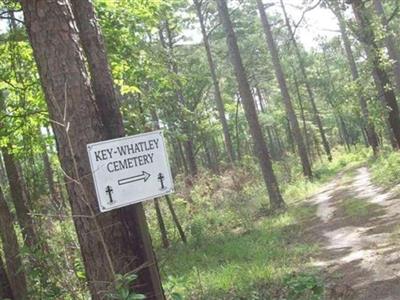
<point>144,176</point>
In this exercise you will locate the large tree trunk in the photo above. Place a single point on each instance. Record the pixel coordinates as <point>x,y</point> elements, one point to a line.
<point>260,147</point>
<point>113,242</point>
<point>290,113</point>
<point>217,92</point>
<point>310,92</point>
<point>12,254</point>
<point>107,102</point>
<point>20,199</point>
<point>390,43</point>
<point>367,36</point>
<point>380,93</point>
<point>367,123</point>
<point>5,287</point>
<point>101,78</point>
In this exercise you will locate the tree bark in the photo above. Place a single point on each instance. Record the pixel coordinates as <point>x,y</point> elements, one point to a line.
<point>5,287</point>
<point>101,77</point>
<point>290,113</point>
<point>12,254</point>
<point>310,92</point>
<point>113,242</point>
<point>260,147</point>
<point>107,102</point>
<point>367,123</point>
<point>217,92</point>
<point>367,36</point>
<point>380,93</point>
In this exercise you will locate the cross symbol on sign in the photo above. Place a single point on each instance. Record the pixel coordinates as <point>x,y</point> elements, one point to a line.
<point>161,179</point>
<point>109,191</point>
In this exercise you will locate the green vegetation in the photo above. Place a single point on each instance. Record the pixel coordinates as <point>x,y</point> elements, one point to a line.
<point>256,121</point>
<point>359,208</point>
<point>299,188</point>
<point>236,249</point>
<point>386,169</point>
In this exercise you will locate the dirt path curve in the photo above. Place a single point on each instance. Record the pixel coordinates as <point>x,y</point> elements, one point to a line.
<point>356,225</point>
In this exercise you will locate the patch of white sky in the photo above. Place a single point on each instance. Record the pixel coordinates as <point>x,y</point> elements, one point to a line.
<point>3,26</point>
<point>316,24</point>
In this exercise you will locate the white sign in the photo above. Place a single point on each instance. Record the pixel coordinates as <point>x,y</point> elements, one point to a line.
<point>130,169</point>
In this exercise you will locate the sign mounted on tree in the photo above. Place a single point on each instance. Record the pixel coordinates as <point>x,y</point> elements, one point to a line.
<point>130,170</point>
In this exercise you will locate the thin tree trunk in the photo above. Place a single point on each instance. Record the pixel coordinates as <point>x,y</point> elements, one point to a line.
<point>113,242</point>
<point>215,153</point>
<point>390,43</point>
<point>369,126</point>
<point>260,99</point>
<point>217,92</point>
<point>161,224</point>
<point>368,38</point>
<point>169,203</point>
<point>190,156</point>
<point>337,111</point>
<point>160,219</point>
<point>260,147</point>
<point>208,160</point>
<point>289,136</point>
<point>3,173</point>
<point>271,142</point>
<point>310,92</point>
<point>20,199</point>
<point>302,114</point>
<point>12,254</point>
<point>345,133</point>
<point>175,219</point>
<point>295,131</point>
<point>188,143</point>
<point>279,142</point>
<point>49,174</point>
<point>239,153</point>
<point>183,158</point>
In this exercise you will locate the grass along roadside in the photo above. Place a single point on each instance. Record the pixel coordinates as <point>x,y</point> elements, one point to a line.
<point>359,208</point>
<point>386,169</point>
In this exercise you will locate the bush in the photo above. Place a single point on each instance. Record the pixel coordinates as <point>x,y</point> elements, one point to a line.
<point>386,169</point>
<point>304,286</point>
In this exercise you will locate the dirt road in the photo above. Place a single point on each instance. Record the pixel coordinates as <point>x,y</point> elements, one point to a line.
<point>358,228</point>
